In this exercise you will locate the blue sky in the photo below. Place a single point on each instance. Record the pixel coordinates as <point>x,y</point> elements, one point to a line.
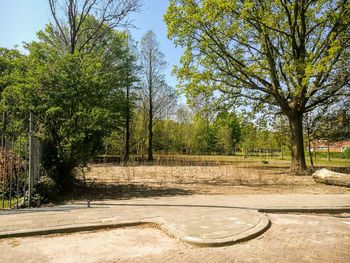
<point>21,19</point>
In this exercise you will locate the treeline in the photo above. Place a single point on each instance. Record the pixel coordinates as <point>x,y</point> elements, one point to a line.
<point>187,132</point>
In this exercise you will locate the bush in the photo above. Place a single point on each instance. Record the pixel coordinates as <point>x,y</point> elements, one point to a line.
<point>346,153</point>
<point>46,189</point>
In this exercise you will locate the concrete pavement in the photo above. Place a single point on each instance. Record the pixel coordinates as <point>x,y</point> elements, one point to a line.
<point>201,220</point>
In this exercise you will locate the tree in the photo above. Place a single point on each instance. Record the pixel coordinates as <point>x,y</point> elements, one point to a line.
<point>249,137</point>
<point>310,129</point>
<point>289,55</point>
<point>184,135</point>
<point>227,132</point>
<point>204,139</point>
<point>281,130</point>
<point>205,111</point>
<point>12,67</point>
<point>77,98</point>
<point>334,123</point>
<point>130,67</point>
<point>72,20</point>
<point>327,123</point>
<point>157,96</point>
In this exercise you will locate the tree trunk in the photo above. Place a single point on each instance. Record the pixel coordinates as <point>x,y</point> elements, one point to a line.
<point>150,126</point>
<point>150,112</point>
<point>297,143</point>
<point>150,140</point>
<point>127,122</point>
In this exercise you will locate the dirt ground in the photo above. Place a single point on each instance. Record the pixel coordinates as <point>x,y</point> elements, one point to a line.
<point>291,238</point>
<point>193,177</point>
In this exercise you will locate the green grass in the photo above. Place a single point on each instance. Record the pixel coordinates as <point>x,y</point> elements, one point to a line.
<point>321,159</point>
<point>276,161</point>
<point>333,162</point>
<point>7,203</point>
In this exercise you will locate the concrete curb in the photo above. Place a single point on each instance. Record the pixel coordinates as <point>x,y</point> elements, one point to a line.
<point>306,210</point>
<point>68,229</point>
<point>255,231</point>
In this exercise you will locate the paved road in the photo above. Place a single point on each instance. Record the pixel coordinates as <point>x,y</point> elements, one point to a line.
<point>291,238</point>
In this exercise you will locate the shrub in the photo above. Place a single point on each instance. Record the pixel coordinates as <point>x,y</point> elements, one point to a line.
<point>346,153</point>
<point>46,189</point>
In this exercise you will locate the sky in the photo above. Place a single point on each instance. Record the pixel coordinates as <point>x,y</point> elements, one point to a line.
<point>21,19</point>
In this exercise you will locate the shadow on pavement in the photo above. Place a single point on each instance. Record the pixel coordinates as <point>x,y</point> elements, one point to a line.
<point>61,208</point>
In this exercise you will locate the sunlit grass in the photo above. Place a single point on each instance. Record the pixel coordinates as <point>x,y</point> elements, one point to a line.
<point>6,203</point>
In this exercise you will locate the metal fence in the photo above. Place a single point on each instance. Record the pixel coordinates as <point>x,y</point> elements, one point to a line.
<point>20,157</point>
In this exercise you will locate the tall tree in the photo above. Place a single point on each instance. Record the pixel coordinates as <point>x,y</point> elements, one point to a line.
<point>127,117</point>
<point>130,80</point>
<point>157,95</point>
<point>71,18</point>
<point>291,55</point>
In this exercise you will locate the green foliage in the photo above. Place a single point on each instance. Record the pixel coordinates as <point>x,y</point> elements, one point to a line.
<point>204,137</point>
<point>285,56</point>
<point>192,134</point>
<point>78,99</point>
<point>227,130</point>
<point>346,153</point>
<point>249,134</point>
<point>236,48</point>
<point>74,106</point>
<point>46,189</point>
<point>12,68</point>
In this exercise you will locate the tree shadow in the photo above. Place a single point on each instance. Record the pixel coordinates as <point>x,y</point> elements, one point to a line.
<point>100,191</point>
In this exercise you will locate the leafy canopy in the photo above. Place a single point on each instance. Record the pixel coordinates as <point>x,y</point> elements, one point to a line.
<point>289,54</point>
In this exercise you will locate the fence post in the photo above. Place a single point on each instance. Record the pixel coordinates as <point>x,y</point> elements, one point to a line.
<point>30,166</point>
<point>3,170</point>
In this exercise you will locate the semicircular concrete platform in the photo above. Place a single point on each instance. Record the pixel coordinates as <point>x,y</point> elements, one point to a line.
<point>196,225</point>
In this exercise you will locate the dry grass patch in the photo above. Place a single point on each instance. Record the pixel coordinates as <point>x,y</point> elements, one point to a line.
<point>212,176</point>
